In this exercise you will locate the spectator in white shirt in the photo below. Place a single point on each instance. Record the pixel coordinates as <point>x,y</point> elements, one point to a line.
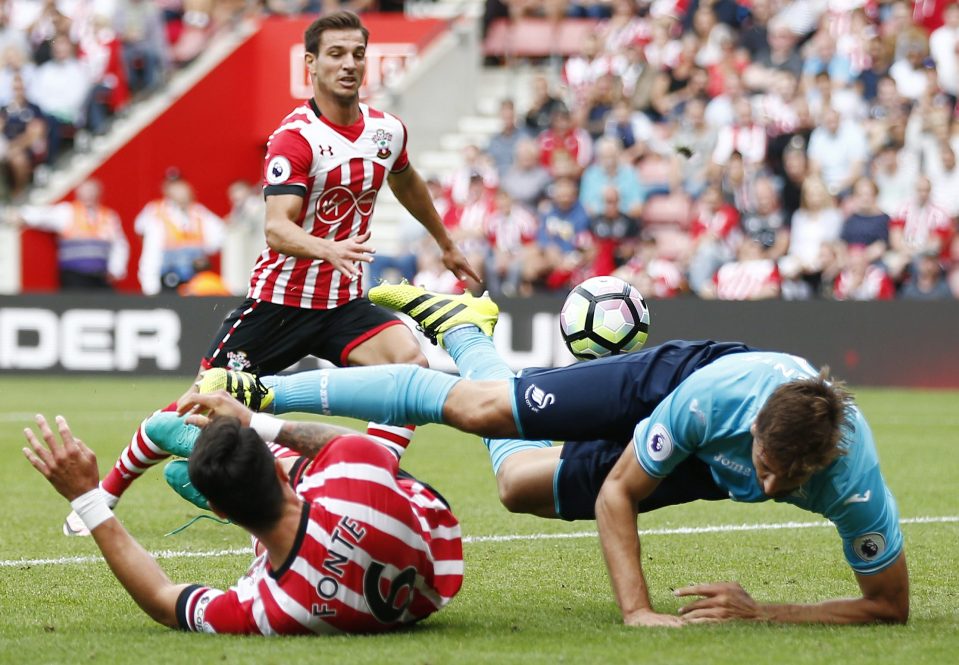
<point>944,49</point>
<point>944,175</point>
<point>13,63</point>
<point>815,224</point>
<point>895,170</point>
<point>139,25</point>
<point>60,88</point>
<point>838,152</point>
<point>10,35</point>
<point>909,72</point>
<point>243,241</point>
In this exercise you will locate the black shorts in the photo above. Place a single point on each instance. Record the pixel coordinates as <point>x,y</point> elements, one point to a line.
<point>584,465</point>
<point>265,338</point>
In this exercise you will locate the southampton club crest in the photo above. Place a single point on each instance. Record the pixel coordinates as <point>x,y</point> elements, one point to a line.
<point>237,361</point>
<point>382,141</point>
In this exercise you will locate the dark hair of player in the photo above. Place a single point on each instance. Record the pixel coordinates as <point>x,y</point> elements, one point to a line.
<point>235,471</point>
<point>342,20</point>
<point>800,427</point>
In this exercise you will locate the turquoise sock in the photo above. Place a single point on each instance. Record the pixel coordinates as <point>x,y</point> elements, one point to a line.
<point>476,358</point>
<point>389,394</point>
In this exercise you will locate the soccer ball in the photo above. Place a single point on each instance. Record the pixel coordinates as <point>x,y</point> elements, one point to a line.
<point>604,316</point>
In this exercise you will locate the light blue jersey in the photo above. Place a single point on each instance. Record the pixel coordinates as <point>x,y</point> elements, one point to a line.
<point>709,416</point>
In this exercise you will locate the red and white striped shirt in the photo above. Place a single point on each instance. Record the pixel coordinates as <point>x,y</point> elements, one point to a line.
<point>747,280</point>
<point>338,171</point>
<point>871,284</point>
<point>750,142</point>
<point>722,223</point>
<point>373,552</point>
<point>921,223</point>
<point>508,231</point>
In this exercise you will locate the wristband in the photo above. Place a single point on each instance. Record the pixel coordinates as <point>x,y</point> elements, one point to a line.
<point>266,426</point>
<point>92,508</point>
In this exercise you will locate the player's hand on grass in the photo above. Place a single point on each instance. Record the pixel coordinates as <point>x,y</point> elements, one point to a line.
<point>650,619</point>
<point>343,255</point>
<point>723,601</point>
<point>70,466</point>
<point>456,262</point>
<point>204,406</point>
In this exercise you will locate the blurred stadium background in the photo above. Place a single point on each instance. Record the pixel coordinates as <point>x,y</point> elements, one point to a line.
<point>795,152</point>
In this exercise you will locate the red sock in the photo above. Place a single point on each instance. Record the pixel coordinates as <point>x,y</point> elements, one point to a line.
<point>134,461</point>
<point>394,438</point>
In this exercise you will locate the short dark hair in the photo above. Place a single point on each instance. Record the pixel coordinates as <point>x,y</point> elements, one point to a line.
<point>341,20</point>
<point>235,471</point>
<point>801,424</point>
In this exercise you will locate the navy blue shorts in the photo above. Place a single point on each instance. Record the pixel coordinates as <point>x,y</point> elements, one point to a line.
<point>584,465</point>
<point>606,398</point>
<point>595,406</point>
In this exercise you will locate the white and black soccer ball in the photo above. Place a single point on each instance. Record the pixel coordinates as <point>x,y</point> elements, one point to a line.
<point>604,316</point>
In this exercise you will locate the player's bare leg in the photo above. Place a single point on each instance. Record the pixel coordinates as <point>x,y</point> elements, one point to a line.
<point>393,345</point>
<point>481,407</point>
<point>524,477</point>
<point>525,481</point>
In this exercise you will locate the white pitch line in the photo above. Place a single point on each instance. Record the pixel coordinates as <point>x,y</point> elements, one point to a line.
<point>162,554</point>
<point>506,538</point>
<point>691,530</point>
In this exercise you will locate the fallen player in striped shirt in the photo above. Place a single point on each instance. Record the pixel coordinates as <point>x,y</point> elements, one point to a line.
<point>346,542</point>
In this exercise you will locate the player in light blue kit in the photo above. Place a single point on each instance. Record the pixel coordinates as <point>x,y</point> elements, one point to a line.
<point>715,420</point>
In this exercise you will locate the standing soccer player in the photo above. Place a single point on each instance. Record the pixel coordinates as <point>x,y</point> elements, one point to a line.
<point>324,166</point>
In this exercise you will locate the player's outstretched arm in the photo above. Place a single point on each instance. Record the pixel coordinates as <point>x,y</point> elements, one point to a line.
<point>71,467</point>
<point>286,236</point>
<point>885,599</point>
<point>625,486</point>
<point>305,438</point>
<point>410,190</point>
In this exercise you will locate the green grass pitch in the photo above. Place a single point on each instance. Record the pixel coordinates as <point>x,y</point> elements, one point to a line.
<point>539,600</point>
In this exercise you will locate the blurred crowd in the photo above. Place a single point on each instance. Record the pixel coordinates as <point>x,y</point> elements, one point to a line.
<point>68,67</point>
<point>730,149</point>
